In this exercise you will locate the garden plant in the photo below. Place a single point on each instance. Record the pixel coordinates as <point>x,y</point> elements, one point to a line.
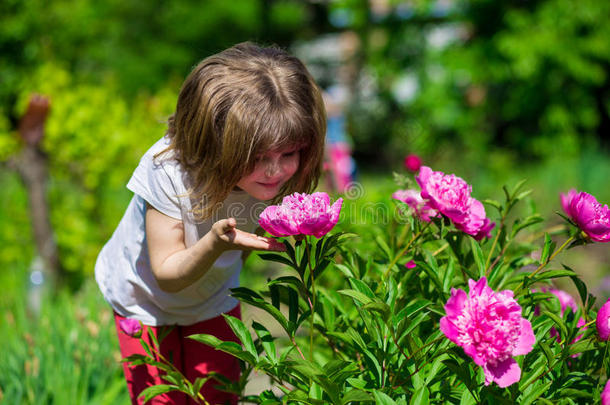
<point>454,306</point>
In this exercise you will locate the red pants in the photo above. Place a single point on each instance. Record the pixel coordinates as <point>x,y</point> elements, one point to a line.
<point>192,358</point>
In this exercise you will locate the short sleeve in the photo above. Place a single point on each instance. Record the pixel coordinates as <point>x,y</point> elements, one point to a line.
<point>156,181</point>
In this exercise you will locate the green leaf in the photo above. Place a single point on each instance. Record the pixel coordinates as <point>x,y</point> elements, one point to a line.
<point>253,298</point>
<point>547,250</point>
<point>228,347</point>
<point>477,253</point>
<point>461,371</point>
<point>580,286</point>
<point>411,309</point>
<point>173,377</point>
<point>355,395</point>
<point>547,352</point>
<point>432,274</point>
<point>293,306</point>
<point>266,340</point>
<point>552,274</point>
<point>532,395</point>
<point>384,246</point>
<point>533,372</point>
<point>520,224</point>
<point>290,250</point>
<point>380,307</point>
<point>152,391</point>
<point>199,383</point>
<point>357,295</point>
<point>274,292</point>
<point>558,321</point>
<point>347,272</point>
<point>467,398</point>
<point>138,359</point>
<point>311,371</point>
<point>421,396</point>
<point>362,287</point>
<point>582,346</point>
<point>242,332</point>
<point>273,257</point>
<point>448,275</point>
<point>382,399</point>
<point>494,204</point>
<point>152,337</point>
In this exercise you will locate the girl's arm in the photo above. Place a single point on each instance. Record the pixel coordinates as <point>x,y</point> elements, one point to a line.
<point>175,266</point>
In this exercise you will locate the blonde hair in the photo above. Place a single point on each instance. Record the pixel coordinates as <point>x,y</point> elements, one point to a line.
<point>236,105</point>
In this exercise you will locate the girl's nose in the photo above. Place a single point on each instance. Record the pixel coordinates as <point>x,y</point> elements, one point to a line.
<point>273,167</point>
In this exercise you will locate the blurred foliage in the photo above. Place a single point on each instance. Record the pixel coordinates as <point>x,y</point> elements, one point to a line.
<point>486,85</point>
<point>531,77</point>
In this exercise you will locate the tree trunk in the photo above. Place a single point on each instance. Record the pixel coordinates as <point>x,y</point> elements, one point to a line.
<point>32,167</point>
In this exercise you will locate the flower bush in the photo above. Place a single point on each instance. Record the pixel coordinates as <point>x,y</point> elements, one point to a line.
<point>445,308</point>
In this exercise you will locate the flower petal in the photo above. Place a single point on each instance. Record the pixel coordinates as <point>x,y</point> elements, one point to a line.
<point>455,304</point>
<point>526,339</point>
<point>504,373</point>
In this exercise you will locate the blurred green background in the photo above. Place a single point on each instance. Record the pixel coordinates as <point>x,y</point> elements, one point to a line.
<point>492,90</point>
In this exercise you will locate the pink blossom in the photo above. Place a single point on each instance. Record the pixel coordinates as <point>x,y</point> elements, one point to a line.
<point>590,216</point>
<point>490,329</point>
<point>131,327</point>
<point>606,394</point>
<point>451,196</point>
<point>342,164</point>
<point>410,264</point>
<point>412,163</point>
<point>603,321</point>
<point>414,200</point>
<point>301,214</point>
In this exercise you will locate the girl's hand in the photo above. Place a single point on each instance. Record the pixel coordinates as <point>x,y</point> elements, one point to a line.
<point>228,237</point>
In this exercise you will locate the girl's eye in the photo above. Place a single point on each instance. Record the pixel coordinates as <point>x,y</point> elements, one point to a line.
<point>290,154</point>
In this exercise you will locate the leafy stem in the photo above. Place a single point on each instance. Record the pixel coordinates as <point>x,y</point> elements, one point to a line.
<point>545,262</point>
<point>404,250</point>
<point>313,298</point>
<point>199,398</point>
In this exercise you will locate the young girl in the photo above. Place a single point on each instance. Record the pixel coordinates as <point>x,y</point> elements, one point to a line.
<point>249,126</point>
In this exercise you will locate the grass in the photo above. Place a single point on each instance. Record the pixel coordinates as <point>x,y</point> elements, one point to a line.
<point>65,354</point>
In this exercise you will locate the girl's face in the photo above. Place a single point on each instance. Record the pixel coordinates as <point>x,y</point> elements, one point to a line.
<point>272,170</point>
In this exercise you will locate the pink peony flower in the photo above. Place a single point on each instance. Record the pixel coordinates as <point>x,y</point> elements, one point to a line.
<point>603,321</point>
<point>410,264</point>
<point>412,163</point>
<point>588,214</point>
<point>131,327</point>
<point>301,214</point>
<point>451,196</point>
<point>490,329</point>
<point>606,394</point>
<point>414,200</point>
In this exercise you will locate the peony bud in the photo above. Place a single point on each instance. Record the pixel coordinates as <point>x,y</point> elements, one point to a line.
<point>131,327</point>
<point>412,163</point>
<point>410,264</point>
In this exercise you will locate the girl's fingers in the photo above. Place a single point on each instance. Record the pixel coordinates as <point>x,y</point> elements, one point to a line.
<point>255,242</point>
<point>226,225</point>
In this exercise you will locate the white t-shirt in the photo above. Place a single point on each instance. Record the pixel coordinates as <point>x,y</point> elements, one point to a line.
<point>123,272</point>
